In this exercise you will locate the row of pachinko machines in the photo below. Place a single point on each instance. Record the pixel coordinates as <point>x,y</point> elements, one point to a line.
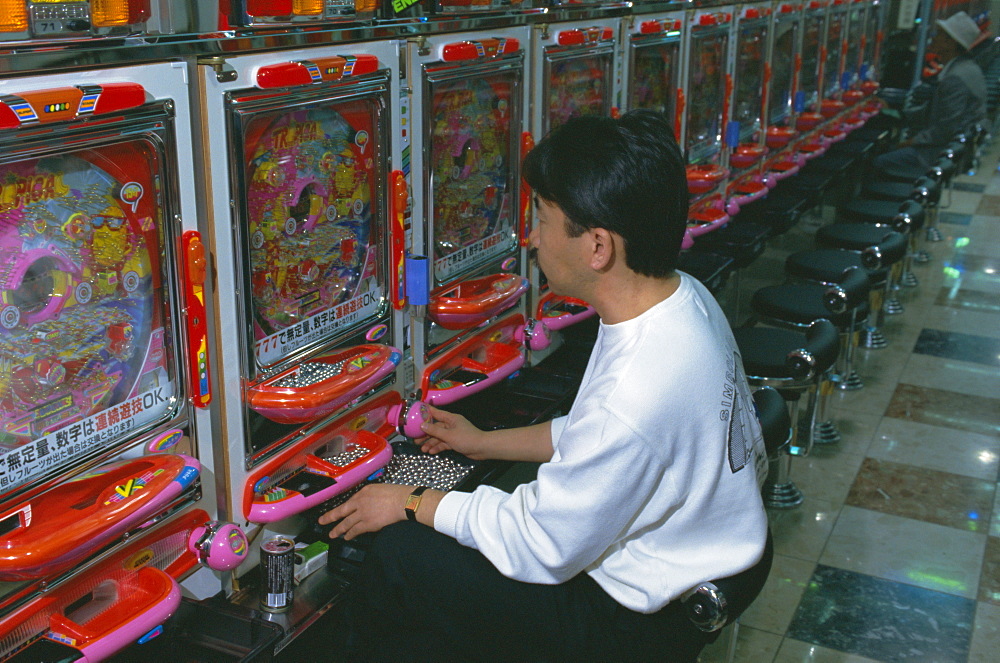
<point>244,243</point>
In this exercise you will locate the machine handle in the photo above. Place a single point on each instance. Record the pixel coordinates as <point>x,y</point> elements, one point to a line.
<point>134,613</point>
<point>195,270</point>
<point>397,240</point>
<point>527,144</point>
<point>409,417</point>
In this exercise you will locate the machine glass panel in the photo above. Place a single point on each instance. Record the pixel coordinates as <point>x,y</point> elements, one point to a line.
<point>782,70</point>
<point>313,225</point>
<point>471,146</point>
<point>577,85</point>
<point>707,92</point>
<point>654,78</point>
<point>834,45</point>
<point>811,35</point>
<point>87,338</point>
<point>871,34</point>
<point>749,85</point>
<point>855,26</point>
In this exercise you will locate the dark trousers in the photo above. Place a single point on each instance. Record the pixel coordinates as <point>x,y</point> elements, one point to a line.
<point>423,596</point>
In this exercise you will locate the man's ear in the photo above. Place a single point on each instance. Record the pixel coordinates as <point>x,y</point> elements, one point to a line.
<point>603,249</point>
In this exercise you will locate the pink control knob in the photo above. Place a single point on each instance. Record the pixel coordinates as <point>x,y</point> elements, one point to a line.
<point>535,334</point>
<point>409,418</point>
<point>219,546</point>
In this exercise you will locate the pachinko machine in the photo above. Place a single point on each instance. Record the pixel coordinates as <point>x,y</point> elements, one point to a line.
<point>745,135</point>
<point>467,274</point>
<point>575,68</point>
<point>709,89</point>
<point>812,76</point>
<point>40,20</point>
<point>653,65</point>
<point>782,92</point>
<point>104,359</point>
<point>308,207</point>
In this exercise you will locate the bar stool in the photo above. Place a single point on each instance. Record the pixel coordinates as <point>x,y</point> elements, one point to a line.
<point>858,237</point>
<point>942,171</point>
<point>793,362</point>
<point>715,605</point>
<point>925,191</point>
<point>905,217</point>
<point>826,266</point>
<point>845,304</point>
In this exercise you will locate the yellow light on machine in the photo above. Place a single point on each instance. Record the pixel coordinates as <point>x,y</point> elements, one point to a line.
<point>307,7</point>
<point>13,16</point>
<point>109,13</point>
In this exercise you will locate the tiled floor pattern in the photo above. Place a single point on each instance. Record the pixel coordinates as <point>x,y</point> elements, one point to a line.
<point>895,553</point>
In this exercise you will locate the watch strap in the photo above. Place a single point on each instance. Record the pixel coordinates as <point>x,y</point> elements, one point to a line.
<point>413,502</point>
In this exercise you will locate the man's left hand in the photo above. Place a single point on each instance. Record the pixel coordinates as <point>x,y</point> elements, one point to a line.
<point>369,510</point>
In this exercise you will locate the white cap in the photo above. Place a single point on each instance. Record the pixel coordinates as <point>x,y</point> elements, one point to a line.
<point>961,28</point>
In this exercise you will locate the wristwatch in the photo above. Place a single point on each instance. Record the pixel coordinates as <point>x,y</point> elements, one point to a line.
<point>412,502</point>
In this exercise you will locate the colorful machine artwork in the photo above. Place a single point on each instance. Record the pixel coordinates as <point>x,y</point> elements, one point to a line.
<point>653,78</point>
<point>750,55</point>
<point>311,177</point>
<point>470,145</point>
<point>577,87</point>
<point>707,91</point>
<point>82,312</point>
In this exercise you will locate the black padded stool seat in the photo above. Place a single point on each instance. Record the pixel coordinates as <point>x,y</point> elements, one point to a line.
<point>801,303</point>
<point>906,215</point>
<point>943,170</point>
<point>781,353</point>
<point>711,269</point>
<point>844,304</point>
<point>826,265</point>
<point>858,237</point>
<point>794,363</point>
<point>850,236</point>
<point>925,190</point>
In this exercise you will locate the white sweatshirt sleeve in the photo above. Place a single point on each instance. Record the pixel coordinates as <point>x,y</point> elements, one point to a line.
<point>544,533</point>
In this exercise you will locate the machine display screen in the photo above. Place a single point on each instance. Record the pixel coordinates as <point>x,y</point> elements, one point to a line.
<point>782,71</point>
<point>473,160</point>
<point>314,226</point>
<point>577,86</point>
<point>653,83</point>
<point>751,52</point>
<point>86,347</point>
<point>706,93</point>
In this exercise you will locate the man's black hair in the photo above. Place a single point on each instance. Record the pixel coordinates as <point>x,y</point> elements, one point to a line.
<point>625,175</point>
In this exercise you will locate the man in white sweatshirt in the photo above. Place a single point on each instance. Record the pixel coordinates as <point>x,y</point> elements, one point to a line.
<point>648,486</point>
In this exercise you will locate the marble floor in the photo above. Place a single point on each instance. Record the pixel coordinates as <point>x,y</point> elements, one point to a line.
<point>895,553</point>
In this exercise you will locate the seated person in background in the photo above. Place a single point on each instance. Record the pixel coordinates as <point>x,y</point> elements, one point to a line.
<point>646,489</point>
<point>958,101</point>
